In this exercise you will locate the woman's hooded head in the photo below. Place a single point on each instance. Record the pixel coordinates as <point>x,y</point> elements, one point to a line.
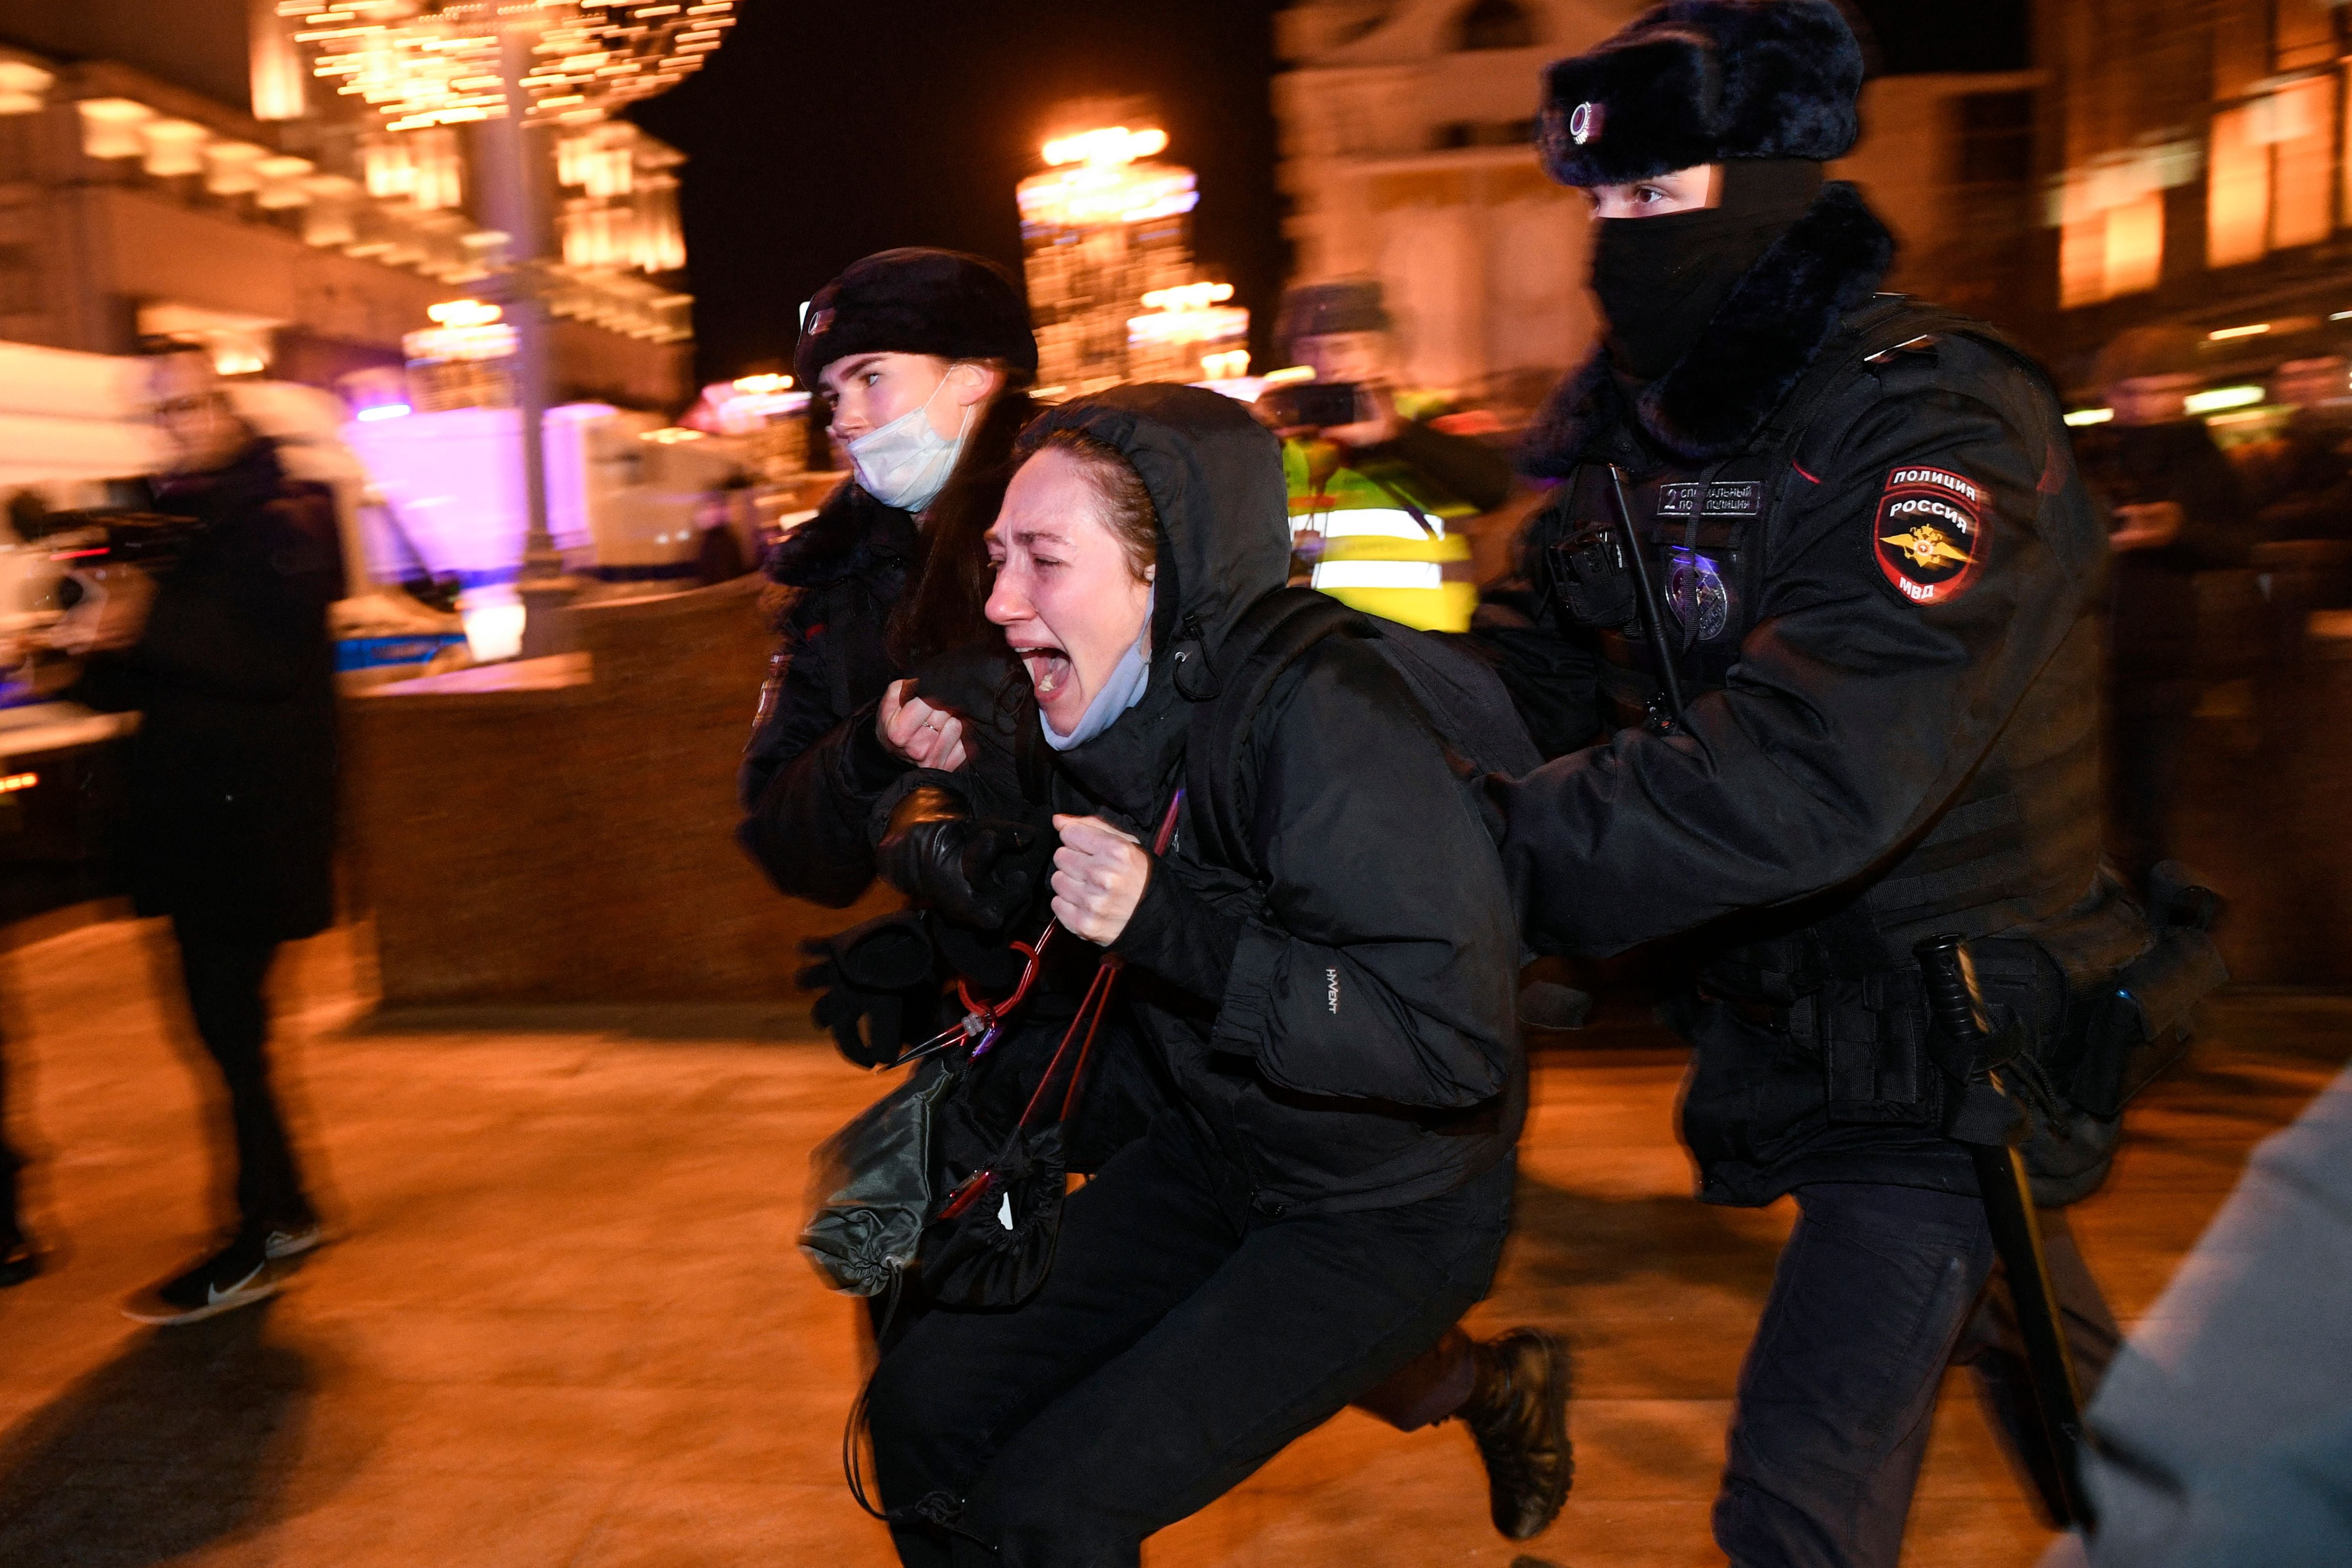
<point>1222,541</point>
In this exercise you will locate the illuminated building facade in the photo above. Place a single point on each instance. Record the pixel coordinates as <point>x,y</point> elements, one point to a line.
<point>1407,156</point>
<point>2195,155</point>
<point>1406,134</point>
<point>176,165</point>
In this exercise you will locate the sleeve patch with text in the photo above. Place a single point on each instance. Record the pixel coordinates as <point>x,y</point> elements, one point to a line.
<point>1929,537</point>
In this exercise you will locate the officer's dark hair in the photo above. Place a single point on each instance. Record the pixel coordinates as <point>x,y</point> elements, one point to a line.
<point>945,608</point>
<point>164,345</point>
<point>1127,508</point>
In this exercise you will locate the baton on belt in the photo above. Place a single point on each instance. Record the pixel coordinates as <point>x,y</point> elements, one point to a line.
<point>1956,1008</point>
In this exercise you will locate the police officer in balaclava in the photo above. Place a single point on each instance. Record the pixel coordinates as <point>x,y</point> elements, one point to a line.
<point>1833,666</point>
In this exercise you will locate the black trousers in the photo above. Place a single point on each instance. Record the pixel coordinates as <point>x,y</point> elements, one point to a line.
<point>224,970</point>
<point>1879,1289</point>
<point>2147,743</point>
<point>12,1224</point>
<point>1179,1341</point>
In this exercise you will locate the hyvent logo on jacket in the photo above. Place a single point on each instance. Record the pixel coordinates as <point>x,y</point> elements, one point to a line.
<point>1331,989</point>
<point>1929,533</point>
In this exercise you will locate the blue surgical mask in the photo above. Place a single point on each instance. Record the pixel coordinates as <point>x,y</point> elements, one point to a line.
<point>906,463</point>
<point>1121,692</point>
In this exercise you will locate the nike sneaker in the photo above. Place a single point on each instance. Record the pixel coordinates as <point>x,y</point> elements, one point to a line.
<point>292,1238</point>
<point>238,1275</point>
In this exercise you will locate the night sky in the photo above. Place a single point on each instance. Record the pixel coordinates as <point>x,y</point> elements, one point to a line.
<point>822,133</point>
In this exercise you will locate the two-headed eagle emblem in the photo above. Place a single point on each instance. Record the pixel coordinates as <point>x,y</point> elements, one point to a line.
<point>1928,546</point>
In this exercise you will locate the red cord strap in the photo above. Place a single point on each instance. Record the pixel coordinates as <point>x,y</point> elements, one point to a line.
<point>1091,1013</point>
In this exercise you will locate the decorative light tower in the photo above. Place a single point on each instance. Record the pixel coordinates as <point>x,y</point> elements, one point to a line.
<point>1107,231</point>
<point>521,68</point>
<point>1104,224</point>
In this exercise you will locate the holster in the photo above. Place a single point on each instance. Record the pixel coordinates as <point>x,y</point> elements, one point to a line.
<point>1883,1064</point>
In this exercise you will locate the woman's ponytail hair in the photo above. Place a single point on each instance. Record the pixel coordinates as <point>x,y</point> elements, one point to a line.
<point>944,608</point>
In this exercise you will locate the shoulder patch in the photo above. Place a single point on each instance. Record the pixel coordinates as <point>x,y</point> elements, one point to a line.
<point>1929,533</point>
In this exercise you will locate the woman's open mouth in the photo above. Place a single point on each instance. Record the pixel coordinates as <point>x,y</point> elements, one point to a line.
<point>1049,670</point>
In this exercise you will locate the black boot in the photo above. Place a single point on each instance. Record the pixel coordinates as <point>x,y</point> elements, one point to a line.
<point>1518,1411</point>
<point>18,1260</point>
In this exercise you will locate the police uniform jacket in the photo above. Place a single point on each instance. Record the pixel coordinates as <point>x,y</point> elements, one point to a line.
<point>1885,624</point>
<point>814,766</point>
<point>815,774</point>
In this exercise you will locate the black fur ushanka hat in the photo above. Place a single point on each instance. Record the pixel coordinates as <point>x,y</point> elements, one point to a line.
<point>1699,81</point>
<point>917,301</point>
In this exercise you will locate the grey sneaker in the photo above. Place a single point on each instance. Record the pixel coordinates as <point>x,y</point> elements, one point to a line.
<point>292,1238</point>
<point>238,1275</point>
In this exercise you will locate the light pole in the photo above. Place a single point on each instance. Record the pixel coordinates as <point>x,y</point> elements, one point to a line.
<point>517,66</point>
<point>514,158</point>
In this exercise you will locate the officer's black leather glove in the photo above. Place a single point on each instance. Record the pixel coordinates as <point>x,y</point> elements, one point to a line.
<point>976,871</point>
<point>880,975</point>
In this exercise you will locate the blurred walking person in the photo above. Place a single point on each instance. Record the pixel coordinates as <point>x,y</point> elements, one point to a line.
<point>2177,510</point>
<point>225,653</point>
<point>2301,479</point>
<point>19,1261</point>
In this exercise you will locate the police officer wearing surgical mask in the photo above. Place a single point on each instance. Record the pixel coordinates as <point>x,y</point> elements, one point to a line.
<point>1832,669</point>
<point>922,357</point>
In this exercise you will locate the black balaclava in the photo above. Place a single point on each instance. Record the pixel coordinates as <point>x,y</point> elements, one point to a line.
<point>1660,280</point>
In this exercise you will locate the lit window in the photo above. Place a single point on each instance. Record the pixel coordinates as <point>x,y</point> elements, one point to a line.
<point>1497,25</point>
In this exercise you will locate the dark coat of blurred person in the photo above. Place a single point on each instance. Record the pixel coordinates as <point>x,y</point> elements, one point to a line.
<point>2177,510</point>
<point>224,652</point>
<point>19,1258</point>
<point>1873,579</point>
<point>2300,480</point>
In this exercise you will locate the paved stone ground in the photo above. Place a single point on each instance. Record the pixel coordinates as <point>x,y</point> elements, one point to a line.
<point>567,1326</point>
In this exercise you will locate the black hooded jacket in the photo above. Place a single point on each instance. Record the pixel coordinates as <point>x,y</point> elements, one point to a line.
<point>1343,1027</point>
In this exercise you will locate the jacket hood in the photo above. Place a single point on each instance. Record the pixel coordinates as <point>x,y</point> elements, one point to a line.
<point>1216,478</point>
<point>1753,353</point>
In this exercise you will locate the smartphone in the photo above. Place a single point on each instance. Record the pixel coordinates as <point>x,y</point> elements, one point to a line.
<point>1317,405</point>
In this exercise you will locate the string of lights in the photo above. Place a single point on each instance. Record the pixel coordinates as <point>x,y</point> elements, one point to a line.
<point>426,62</point>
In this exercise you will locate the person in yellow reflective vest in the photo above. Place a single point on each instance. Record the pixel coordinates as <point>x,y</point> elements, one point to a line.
<point>1376,489</point>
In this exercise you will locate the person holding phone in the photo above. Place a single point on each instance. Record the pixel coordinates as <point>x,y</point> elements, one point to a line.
<point>2176,508</point>
<point>1377,497</point>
